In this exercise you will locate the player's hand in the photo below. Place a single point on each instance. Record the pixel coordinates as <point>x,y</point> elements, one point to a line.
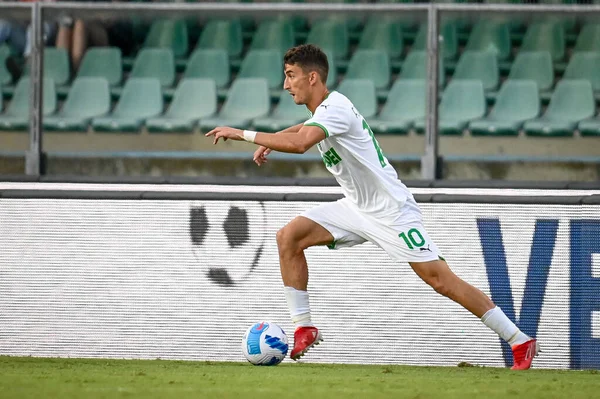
<point>260,155</point>
<point>225,132</point>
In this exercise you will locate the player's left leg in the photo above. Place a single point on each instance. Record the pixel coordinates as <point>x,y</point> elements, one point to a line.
<point>438,275</point>
<point>405,239</point>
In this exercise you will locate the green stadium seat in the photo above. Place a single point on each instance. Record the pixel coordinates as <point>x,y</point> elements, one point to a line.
<point>265,64</point>
<point>248,99</point>
<point>382,34</point>
<point>545,36</point>
<point>571,102</point>
<point>449,44</point>
<point>479,65</point>
<point>141,99</point>
<point>5,76</point>
<point>287,113</point>
<point>588,39</point>
<point>193,99</point>
<point>170,34</point>
<point>155,63</point>
<point>17,114</point>
<point>585,66</point>
<point>223,34</point>
<point>331,35</point>
<point>57,66</point>
<point>273,35</point>
<point>102,62</point>
<point>590,127</point>
<point>332,75</point>
<point>415,67</point>
<point>405,104</point>
<point>88,98</point>
<point>362,94</point>
<point>370,64</point>
<point>210,64</point>
<point>490,35</point>
<point>462,102</point>
<point>517,102</point>
<point>536,66</point>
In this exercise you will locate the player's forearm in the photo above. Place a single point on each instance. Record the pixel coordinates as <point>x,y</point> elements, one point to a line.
<point>290,143</point>
<point>291,129</point>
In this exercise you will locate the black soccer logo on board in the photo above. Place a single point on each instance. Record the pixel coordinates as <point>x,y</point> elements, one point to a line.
<point>227,238</point>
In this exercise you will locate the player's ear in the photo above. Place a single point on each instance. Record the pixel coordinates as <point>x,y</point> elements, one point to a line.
<point>313,77</point>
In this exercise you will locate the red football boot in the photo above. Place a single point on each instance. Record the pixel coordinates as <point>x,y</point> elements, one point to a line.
<point>304,339</point>
<point>524,353</point>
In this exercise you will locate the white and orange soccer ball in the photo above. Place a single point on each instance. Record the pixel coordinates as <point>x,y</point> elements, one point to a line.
<point>265,344</point>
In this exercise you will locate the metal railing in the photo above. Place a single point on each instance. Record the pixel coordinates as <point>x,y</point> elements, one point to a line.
<point>430,161</point>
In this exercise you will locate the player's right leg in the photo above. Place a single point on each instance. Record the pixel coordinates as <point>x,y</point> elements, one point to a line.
<point>322,225</point>
<point>292,240</point>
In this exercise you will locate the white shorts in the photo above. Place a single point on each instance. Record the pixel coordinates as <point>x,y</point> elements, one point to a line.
<point>404,238</point>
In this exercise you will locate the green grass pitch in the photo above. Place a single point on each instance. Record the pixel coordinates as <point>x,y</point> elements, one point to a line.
<point>84,378</point>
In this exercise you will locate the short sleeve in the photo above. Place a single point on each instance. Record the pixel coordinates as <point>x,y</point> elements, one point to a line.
<point>331,119</point>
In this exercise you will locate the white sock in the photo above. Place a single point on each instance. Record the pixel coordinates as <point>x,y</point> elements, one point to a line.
<point>497,321</point>
<point>299,308</point>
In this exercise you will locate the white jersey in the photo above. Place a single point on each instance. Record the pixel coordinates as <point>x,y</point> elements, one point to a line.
<point>352,154</point>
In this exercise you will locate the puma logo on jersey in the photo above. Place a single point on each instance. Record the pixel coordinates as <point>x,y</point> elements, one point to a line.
<point>425,249</point>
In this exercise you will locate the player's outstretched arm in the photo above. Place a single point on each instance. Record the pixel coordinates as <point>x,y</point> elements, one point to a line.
<point>297,143</point>
<point>260,155</point>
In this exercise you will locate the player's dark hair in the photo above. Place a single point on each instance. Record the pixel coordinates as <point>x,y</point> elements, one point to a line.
<point>308,57</point>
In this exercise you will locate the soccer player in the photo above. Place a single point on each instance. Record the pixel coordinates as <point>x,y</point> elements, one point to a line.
<point>377,206</point>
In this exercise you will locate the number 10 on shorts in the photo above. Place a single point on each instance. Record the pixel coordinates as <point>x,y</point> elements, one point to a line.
<point>412,238</point>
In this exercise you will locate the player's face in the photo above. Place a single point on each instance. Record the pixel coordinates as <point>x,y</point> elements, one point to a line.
<point>297,83</point>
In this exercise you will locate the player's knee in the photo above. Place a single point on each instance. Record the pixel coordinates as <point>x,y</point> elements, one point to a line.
<point>285,240</point>
<point>440,285</point>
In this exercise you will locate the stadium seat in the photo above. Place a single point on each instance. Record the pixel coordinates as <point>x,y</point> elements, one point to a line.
<point>57,66</point>
<point>362,94</point>
<point>170,34</point>
<point>5,76</point>
<point>449,44</point>
<point>17,115</point>
<point>141,99</point>
<point>405,104</point>
<point>490,35</point>
<point>88,98</point>
<point>585,66</point>
<point>286,114</point>
<point>223,34</point>
<point>247,100</point>
<point>331,35</point>
<point>479,65</point>
<point>193,99</point>
<point>370,64</point>
<point>536,66</point>
<point>588,39</point>
<point>210,64</point>
<point>273,35</point>
<point>590,127</point>
<point>517,102</point>
<point>265,64</point>
<point>332,75</point>
<point>155,63</point>
<point>462,102</point>
<point>102,62</point>
<point>382,34</point>
<point>571,102</point>
<point>545,36</point>
<point>415,67</point>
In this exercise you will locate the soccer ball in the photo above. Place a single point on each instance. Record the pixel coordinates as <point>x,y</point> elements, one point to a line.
<point>265,344</point>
